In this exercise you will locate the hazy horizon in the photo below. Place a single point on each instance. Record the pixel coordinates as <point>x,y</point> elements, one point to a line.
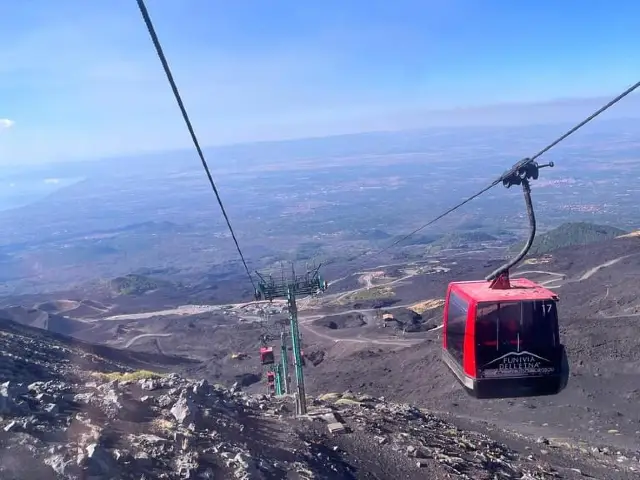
<point>555,117</point>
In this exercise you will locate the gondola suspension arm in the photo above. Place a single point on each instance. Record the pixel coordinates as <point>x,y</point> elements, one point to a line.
<point>519,174</point>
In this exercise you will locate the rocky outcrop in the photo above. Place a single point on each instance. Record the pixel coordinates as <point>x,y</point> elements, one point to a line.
<point>65,414</point>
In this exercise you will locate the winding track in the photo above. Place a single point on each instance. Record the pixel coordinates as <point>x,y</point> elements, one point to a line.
<point>592,271</point>
<point>556,282</point>
<point>145,335</point>
<point>306,319</point>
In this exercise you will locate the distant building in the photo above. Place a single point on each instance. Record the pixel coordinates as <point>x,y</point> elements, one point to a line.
<point>386,318</point>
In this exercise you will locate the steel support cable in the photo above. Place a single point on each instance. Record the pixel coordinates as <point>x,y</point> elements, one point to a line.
<point>587,120</point>
<point>519,164</point>
<point>185,116</point>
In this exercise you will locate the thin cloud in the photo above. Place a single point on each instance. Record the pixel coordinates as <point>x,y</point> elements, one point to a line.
<point>5,123</point>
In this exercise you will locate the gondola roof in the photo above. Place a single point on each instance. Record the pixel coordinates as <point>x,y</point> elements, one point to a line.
<point>521,289</point>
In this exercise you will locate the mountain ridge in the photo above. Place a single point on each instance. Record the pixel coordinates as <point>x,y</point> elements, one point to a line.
<point>570,234</point>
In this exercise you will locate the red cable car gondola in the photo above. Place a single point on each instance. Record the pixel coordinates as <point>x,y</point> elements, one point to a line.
<point>501,337</point>
<point>266,356</point>
<point>271,379</point>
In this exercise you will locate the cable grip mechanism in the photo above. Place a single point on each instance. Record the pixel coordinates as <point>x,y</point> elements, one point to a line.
<point>525,169</point>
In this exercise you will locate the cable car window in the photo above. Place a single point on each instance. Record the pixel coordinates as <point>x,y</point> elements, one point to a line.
<point>456,324</point>
<point>517,326</point>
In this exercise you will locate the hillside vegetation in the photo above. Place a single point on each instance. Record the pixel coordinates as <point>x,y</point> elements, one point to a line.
<point>458,240</point>
<point>568,235</point>
<point>133,284</point>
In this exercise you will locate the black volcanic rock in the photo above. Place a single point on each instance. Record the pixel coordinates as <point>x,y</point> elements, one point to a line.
<point>67,413</point>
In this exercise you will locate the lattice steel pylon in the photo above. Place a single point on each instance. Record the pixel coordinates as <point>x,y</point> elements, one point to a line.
<point>311,283</point>
<point>281,368</point>
<point>278,387</point>
<point>284,364</point>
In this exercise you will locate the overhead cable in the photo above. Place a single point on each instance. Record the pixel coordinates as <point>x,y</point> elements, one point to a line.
<point>508,172</point>
<point>185,116</point>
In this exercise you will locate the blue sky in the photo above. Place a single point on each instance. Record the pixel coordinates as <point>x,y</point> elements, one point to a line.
<point>80,79</point>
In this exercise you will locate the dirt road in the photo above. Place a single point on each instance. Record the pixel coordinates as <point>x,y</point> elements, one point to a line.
<point>592,271</point>
<point>145,335</point>
<point>306,319</point>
